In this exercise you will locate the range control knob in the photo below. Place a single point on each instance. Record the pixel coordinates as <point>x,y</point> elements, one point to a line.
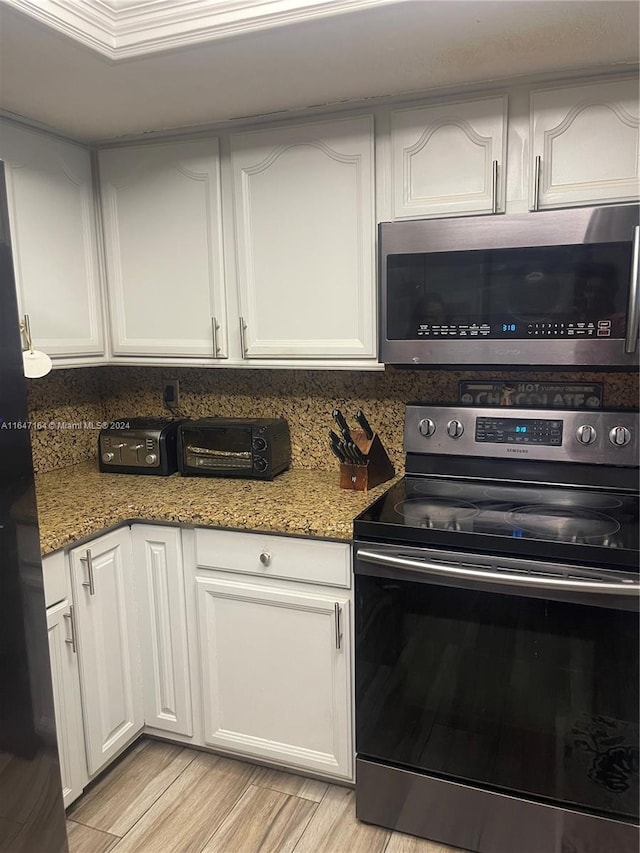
<point>586,434</point>
<point>427,427</point>
<point>455,428</point>
<point>260,464</point>
<point>620,436</point>
<point>107,457</point>
<point>150,458</point>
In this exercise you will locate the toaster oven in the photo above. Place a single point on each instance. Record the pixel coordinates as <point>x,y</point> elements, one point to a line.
<point>256,448</point>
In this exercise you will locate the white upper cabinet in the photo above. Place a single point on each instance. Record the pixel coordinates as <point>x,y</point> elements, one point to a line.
<point>162,225</point>
<point>586,139</point>
<point>449,159</point>
<point>305,229</point>
<point>53,233</point>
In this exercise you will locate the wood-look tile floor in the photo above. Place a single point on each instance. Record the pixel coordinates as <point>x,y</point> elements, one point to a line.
<point>163,798</point>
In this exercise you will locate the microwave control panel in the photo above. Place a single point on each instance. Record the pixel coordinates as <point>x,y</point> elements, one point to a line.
<point>511,329</point>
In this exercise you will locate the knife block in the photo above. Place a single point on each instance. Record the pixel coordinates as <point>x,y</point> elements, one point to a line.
<point>377,468</point>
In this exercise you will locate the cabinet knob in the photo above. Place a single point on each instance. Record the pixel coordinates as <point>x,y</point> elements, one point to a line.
<point>265,558</point>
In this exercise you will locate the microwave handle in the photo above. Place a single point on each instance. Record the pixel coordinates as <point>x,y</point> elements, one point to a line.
<point>633,307</point>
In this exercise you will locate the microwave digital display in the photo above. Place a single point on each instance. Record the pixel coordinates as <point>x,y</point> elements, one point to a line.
<point>559,292</point>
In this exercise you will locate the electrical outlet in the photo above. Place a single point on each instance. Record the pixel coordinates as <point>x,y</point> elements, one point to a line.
<point>171,394</point>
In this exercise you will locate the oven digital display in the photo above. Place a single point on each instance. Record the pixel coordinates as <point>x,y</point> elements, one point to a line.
<point>519,431</point>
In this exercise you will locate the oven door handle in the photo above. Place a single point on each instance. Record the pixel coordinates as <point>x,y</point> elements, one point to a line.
<point>633,306</point>
<point>506,578</point>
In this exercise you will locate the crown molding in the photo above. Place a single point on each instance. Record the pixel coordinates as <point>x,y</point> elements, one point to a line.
<point>123,29</point>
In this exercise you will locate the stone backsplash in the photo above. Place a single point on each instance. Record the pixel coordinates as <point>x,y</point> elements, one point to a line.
<point>306,398</point>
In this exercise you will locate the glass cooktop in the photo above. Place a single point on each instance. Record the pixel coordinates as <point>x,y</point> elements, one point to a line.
<point>528,520</point>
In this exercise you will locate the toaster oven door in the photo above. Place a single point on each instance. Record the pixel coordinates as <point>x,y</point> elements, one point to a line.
<point>217,450</point>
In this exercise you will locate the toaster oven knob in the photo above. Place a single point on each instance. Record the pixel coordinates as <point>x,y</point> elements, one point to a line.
<point>260,464</point>
<point>150,458</point>
<point>620,436</point>
<point>427,427</point>
<point>107,457</point>
<point>259,443</point>
<point>586,434</point>
<point>455,428</point>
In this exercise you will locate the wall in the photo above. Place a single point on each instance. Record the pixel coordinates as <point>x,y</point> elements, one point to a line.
<point>305,398</point>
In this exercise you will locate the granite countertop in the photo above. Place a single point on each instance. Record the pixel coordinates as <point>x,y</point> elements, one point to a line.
<point>78,501</point>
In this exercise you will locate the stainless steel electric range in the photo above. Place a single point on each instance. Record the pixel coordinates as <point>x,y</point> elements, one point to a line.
<point>497,602</point>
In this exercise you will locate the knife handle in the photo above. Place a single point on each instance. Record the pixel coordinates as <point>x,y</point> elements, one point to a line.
<point>344,426</point>
<point>364,423</point>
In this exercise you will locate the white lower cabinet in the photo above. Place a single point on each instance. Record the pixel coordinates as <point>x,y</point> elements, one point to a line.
<point>108,647</point>
<point>66,700</point>
<point>160,593</point>
<point>275,663</point>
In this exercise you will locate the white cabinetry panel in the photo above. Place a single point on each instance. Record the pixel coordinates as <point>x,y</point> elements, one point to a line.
<point>66,701</point>
<point>275,683</point>
<point>162,222</point>
<point>443,158</point>
<point>305,227</point>
<point>53,237</point>
<point>587,140</point>
<point>108,647</point>
<point>157,553</point>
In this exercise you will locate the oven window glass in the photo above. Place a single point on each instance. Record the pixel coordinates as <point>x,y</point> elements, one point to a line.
<point>509,293</point>
<point>220,443</point>
<point>520,695</point>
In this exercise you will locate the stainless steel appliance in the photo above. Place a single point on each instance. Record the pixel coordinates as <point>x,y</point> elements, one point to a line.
<point>257,448</point>
<point>496,612</point>
<point>30,788</point>
<point>549,288</point>
<point>139,446</point>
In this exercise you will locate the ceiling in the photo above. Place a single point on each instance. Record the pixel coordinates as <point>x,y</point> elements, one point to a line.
<point>286,55</point>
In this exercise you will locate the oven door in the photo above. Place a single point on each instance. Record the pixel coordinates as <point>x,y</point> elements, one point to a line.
<point>216,450</point>
<point>519,679</point>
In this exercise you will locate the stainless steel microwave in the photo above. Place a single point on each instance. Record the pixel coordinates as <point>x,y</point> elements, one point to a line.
<point>548,288</point>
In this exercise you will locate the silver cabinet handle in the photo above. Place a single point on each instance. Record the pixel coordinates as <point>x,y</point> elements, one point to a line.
<point>90,583</point>
<point>265,558</point>
<point>551,583</point>
<point>214,336</point>
<point>633,307</point>
<point>243,344</point>
<point>338,613</point>
<point>494,188</point>
<point>71,640</point>
<point>536,182</point>
<point>26,331</point>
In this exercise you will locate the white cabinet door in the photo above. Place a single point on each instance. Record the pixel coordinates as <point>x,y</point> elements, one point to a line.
<point>51,211</point>
<point>66,700</point>
<point>107,638</point>
<point>157,554</point>
<point>275,677</point>
<point>449,159</point>
<point>587,140</point>
<point>305,228</point>
<point>162,223</point>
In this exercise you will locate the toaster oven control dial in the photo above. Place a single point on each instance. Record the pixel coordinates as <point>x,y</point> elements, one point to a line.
<point>150,458</point>
<point>586,434</point>
<point>427,427</point>
<point>620,436</point>
<point>107,457</point>
<point>455,428</point>
<point>260,464</point>
<point>259,443</point>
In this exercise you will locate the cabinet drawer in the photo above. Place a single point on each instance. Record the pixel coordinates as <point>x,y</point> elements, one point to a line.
<point>54,573</point>
<point>308,560</point>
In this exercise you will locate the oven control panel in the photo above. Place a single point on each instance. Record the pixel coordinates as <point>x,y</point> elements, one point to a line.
<point>592,437</point>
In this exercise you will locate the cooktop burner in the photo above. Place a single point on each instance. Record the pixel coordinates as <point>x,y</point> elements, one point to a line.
<point>534,521</point>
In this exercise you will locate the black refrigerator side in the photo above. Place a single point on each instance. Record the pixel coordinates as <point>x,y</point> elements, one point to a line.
<point>31,807</point>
